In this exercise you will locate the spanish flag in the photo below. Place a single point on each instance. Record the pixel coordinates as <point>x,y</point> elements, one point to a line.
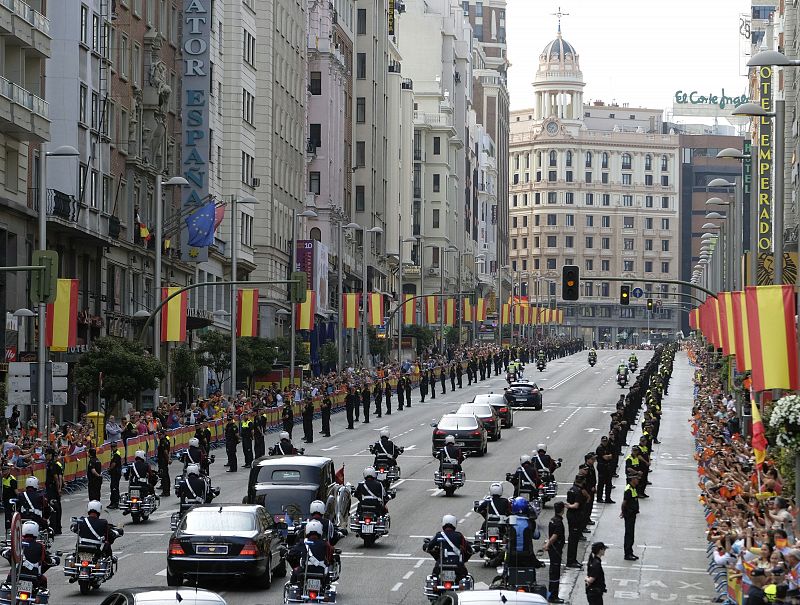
<point>449,312</point>
<point>375,309</point>
<point>173,315</point>
<point>741,332</point>
<point>560,316</point>
<point>305,312</point>
<point>351,320</point>
<point>431,310</point>
<point>408,309</point>
<point>759,435</point>
<point>247,312</point>
<point>505,314</point>
<point>481,310</point>
<point>693,319</point>
<point>773,341</point>
<point>726,319</point>
<point>62,316</point>
<point>466,313</point>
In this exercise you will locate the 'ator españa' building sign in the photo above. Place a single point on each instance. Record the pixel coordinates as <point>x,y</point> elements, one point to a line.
<point>195,82</point>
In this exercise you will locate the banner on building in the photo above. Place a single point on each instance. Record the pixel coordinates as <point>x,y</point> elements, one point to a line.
<point>449,312</point>
<point>431,310</point>
<point>306,311</point>
<point>764,241</point>
<point>247,312</point>
<point>480,310</point>
<point>351,319</point>
<point>62,316</point>
<point>173,315</point>
<point>408,309</point>
<point>375,309</point>
<point>466,313</point>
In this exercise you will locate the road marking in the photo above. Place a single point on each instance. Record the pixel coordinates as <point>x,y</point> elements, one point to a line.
<point>163,572</point>
<point>408,574</point>
<point>660,569</point>
<point>522,428</point>
<point>419,563</point>
<point>437,492</point>
<point>461,520</point>
<point>591,430</point>
<point>468,515</point>
<point>328,449</point>
<point>152,552</point>
<point>399,554</point>
<point>398,482</point>
<point>396,587</point>
<point>410,447</point>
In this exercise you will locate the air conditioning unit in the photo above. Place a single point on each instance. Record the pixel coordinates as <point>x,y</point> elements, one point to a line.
<point>255,183</point>
<point>432,271</point>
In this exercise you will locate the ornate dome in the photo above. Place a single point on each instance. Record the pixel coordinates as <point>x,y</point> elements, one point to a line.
<point>558,50</point>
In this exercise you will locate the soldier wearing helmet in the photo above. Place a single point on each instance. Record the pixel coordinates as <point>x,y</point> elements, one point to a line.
<point>494,504</point>
<point>32,503</point>
<point>386,446</point>
<point>35,558</point>
<point>285,446</point>
<point>451,452</point>
<point>371,491</point>
<point>526,475</point>
<point>449,546</point>
<point>330,532</point>
<point>313,553</point>
<point>95,534</point>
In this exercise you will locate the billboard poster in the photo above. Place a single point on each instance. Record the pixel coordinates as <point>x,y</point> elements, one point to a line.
<point>320,280</point>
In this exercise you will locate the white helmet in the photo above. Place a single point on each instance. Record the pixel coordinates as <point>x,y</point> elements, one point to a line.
<point>541,447</point>
<point>317,507</point>
<point>524,459</point>
<point>95,506</point>
<point>314,527</point>
<point>495,489</point>
<point>30,528</point>
<point>194,442</point>
<point>284,435</point>
<point>32,482</point>
<point>450,439</point>
<point>193,469</point>
<point>369,472</point>
<point>449,520</point>
<point>140,454</point>
<point>385,433</point>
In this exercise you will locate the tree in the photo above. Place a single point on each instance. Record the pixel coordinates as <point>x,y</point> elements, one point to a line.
<point>254,356</point>
<point>377,346</point>
<point>425,336</point>
<point>329,355</point>
<point>126,367</point>
<point>214,353</point>
<point>451,335</point>
<point>184,368</point>
<point>282,344</point>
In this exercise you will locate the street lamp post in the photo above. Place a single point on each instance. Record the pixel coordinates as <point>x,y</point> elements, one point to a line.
<point>364,291</point>
<point>235,201</point>
<point>292,336</point>
<point>65,151</point>
<point>480,258</point>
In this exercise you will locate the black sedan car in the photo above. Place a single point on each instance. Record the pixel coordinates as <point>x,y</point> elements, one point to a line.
<point>486,414</point>
<point>469,432</point>
<point>232,540</point>
<point>526,395</point>
<point>500,405</point>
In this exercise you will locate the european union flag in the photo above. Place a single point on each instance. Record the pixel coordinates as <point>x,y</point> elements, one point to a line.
<point>201,226</point>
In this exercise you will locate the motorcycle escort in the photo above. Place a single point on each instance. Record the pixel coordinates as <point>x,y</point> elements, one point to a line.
<point>518,571</point>
<point>541,364</point>
<point>622,380</point>
<point>139,502</point>
<point>633,365</point>
<point>548,489</point>
<point>88,569</point>
<point>183,456</point>
<point>369,522</point>
<point>46,535</point>
<point>448,478</point>
<point>592,359</point>
<point>387,473</point>
<point>489,540</point>
<point>447,578</point>
<point>28,590</point>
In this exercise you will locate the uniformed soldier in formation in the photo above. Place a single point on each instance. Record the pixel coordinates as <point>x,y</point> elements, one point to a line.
<point>163,458</point>
<point>54,484</point>
<point>246,434</point>
<point>231,441</point>
<point>115,474</point>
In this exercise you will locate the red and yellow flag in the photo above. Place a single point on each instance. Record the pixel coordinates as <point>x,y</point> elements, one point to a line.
<point>741,332</point>
<point>505,313</point>
<point>408,309</point>
<point>480,310</point>
<point>305,312</point>
<point>62,316</point>
<point>431,310</point>
<point>759,434</point>
<point>466,313</point>
<point>351,319</point>
<point>560,316</point>
<point>773,341</point>
<point>449,311</point>
<point>375,309</point>
<point>173,315</point>
<point>726,318</point>
<point>247,312</point>
<point>693,319</point>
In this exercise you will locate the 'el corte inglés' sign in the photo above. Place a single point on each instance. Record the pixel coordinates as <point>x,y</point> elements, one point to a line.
<point>197,19</point>
<point>697,98</point>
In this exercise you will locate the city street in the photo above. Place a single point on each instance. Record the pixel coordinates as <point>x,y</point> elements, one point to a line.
<point>577,401</point>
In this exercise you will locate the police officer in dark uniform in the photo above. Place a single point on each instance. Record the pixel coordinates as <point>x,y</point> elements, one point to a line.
<point>630,508</point>
<point>35,558</point>
<point>287,416</point>
<point>162,456</point>
<point>325,413</point>
<point>231,441</point>
<point>365,401</point>
<point>407,383</point>
<point>554,545</point>
<point>54,483</point>
<point>452,377</point>
<point>377,394</point>
<point>115,473</point>
<point>9,493</point>
<point>401,391</point>
<point>574,503</point>
<point>605,470</point>
<point>95,534</point>
<point>308,419</point>
<point>246,434</point>
<point>387,393</point>
<point>94,474</point>
<point>423,385</point>
<point>194,489</point>
<point>313,551</point>
<point>32,503</point>
<point>350,405</point>
<point>442,539</point>
<point>259,426</point>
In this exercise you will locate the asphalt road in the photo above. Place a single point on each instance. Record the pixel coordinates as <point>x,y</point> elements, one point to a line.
<point>577,401</point>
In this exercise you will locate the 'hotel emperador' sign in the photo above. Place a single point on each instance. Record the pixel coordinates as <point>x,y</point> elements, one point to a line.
<point>765,162</point>
<point>195,153</point>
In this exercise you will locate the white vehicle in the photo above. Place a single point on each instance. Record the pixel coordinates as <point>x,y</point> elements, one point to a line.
<point>489,597</point>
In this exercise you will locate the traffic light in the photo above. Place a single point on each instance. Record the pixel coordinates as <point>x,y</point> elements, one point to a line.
<point>297,289</point>
<point>570,278</point>
<point>43,282</point>
<point>649,304</point>
<point>624,295</point>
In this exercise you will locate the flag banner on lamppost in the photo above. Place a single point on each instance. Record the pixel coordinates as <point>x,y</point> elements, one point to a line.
<point>693,319</point>
<point>375,309</point>
<point>726,319</point>
<point>449,312</point>
<point>247,312</point>
<point>467,311</point>
<point>408,309</point>
<point>305,312</point>
<point>481,310</point>
<point>351,318</point>
<point>505,314</point>
<point>431,310</point>
<point>62,316</point>
<point>741,332</point>
<point>173,315</point>
<point>773,340</point>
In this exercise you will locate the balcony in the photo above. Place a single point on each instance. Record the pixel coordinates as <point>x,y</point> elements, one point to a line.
<point>417,193</point>
<point>28,26</point>
<point>435,120</point>
<point>419,155</point>
<point>23,115</point>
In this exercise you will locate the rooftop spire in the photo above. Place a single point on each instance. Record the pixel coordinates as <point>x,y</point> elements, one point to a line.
<point>559,14</point>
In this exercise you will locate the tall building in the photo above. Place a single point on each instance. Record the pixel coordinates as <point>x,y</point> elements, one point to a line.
<point>605,200</point>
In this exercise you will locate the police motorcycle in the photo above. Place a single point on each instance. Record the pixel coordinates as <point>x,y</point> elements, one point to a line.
<point>449,477</point>
<point>524,484</point>
<point>192,496</point>
<point>27,507</point>
<point>489,540</point>
<point>89,565</point>
<point>30,588</point>
<point>592,357</point>
<point>314,584</point>
<point>449,559</point>
<point>285,448</point>
<point>370,521</point>
<point>296,530</point>
<point>622,377</point>
<point>192,455</point>
<point>633,364</point>
<point>140,501</point>
<point>541,364</point>
<point>548,486</point>
<point>518,571</point>
<point>386,467</point>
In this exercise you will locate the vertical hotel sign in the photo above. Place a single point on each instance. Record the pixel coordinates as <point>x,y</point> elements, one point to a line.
<point>391,17</point>
<point>194,104</point>
<point>765,163</point>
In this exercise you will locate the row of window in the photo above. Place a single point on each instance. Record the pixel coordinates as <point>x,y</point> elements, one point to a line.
<point>551,264</point>
<point>569,242</point>
<point>627,160</point>
<point>628,222</point>
<point>626,178</point>
<point>588,199</point>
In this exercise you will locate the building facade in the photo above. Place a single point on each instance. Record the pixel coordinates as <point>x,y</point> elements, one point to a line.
<point>605,200</point>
